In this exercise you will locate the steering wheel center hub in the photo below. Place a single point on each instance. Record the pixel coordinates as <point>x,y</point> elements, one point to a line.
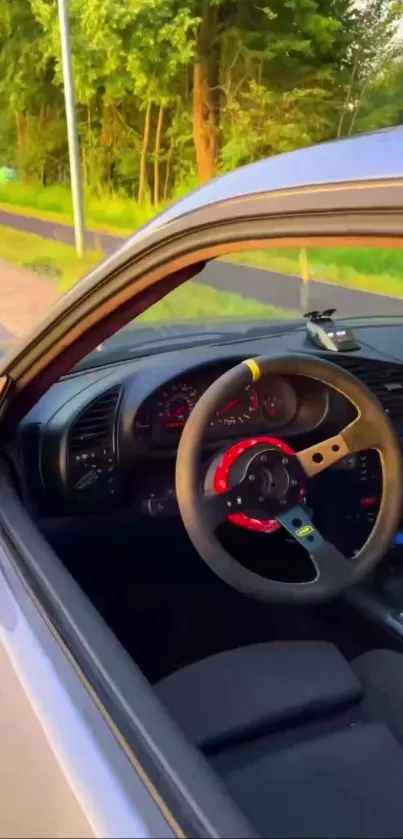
<point>270,467</point>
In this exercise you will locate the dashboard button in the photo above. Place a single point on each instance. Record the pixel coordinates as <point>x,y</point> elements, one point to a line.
<point>160,507</point>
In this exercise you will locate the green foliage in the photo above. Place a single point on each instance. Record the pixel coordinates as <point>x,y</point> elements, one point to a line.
<point>279,74</point>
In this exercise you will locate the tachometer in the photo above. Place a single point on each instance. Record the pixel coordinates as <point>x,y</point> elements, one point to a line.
<point>239,410</point>
<point>174,404</point>
<point>279,402</point>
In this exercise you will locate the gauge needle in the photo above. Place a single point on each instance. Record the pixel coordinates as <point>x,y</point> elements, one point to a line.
<point>228,407</point>
<point>177,412</point>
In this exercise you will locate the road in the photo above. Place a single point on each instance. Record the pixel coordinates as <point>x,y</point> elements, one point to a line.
<point>285,291</point>
<point>25,297</point>
<point>268,287</point>
<point>60,232</point>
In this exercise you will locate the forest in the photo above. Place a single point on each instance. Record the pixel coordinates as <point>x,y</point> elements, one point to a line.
<point>171,93</point>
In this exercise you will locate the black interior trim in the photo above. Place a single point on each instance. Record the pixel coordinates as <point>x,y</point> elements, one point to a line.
<point>180,775</point>
<point>373,606</point>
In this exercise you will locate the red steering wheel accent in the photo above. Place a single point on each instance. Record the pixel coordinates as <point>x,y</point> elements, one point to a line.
<point>221,481</point>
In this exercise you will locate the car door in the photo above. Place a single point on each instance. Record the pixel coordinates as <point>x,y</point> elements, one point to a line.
<point>94,752</point>
<point>63,770</point>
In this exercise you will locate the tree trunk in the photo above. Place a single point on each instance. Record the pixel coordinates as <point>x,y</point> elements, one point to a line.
<point>157,150</point>
<point>84,162</point>
<point>87,151</point>
<point>168,171</point>
<point>143,159</point>
<point>206,105</point>
<point>358,106</point>
<point>106,141</point>
<point>205,133</point>
<point>20,126</point>
<point>349,92</point>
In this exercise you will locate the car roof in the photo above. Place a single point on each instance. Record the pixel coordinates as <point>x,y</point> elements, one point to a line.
<point>375,156</point>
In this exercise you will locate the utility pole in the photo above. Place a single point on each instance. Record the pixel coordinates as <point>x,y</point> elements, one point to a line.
<point>72,135</point>
<point>305,276</point>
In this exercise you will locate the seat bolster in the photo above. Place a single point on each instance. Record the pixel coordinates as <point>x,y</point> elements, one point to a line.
<point>258,688</point>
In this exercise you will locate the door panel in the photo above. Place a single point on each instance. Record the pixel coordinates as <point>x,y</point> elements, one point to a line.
<point>36,798</point>
<point>62,770</point>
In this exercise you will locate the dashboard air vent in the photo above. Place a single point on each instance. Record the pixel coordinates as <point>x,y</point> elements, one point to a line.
<point>385,380</point>
<point>94,427</point>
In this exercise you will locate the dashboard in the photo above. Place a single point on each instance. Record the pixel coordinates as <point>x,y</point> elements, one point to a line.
<point>106,439</point>
<point>293,405</point>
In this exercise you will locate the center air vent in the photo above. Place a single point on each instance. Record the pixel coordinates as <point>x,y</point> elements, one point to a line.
<point>385,380</point>
<point>94,427</point>
<point>92,474</point>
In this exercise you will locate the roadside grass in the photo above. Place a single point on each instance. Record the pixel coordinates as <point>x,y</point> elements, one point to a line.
<point>109,213</point>
<point>47,257</point>
<point>378,270</point>
<point>367,269</point>
<point>59,263</point>
<point>195,300</point>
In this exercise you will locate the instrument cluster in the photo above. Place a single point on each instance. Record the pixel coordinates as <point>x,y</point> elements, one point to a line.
<point>291,405</point>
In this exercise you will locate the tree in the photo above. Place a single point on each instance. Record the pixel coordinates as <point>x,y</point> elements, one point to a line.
<point>26,84</point>
<point>382,106</point>
<point>373,53</point>
<point>171,92</point>
<point>283,76</point>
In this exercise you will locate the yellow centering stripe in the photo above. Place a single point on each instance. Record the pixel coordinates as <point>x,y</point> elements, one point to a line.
<point>254,368</point>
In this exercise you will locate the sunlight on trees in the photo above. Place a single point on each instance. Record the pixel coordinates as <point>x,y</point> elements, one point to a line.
<point>172,92</point>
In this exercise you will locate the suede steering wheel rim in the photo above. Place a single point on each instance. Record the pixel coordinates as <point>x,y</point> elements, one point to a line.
<point>201,513</point>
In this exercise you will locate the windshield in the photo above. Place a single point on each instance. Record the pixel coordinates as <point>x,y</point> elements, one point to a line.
<point>255,292</point>
<point>153,113</point>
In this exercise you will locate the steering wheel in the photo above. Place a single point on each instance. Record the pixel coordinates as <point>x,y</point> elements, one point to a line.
<point>264,481</point>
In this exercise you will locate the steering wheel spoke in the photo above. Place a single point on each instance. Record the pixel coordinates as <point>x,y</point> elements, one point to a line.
<point>359,435</point>
<point>332,566</point>
<point>298,523</point>
<point>218,506</point>
<point>317,458</point>
<point>362,433</point>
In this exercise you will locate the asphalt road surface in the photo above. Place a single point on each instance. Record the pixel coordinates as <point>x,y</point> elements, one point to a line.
<point>276,289</point>
<point>285,292</point>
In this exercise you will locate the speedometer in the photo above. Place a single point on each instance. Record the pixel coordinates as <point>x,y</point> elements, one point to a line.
<point>174,404</point>
<point>279,402</point>
<point>239,410</point>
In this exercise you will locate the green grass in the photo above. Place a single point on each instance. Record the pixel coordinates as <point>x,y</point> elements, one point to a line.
<point>109,213</point>
<point>355,267</point>
<point>377,270</point>
<point>368,269</point>
<point>194,300</point>
<point>55,260</point>
<point>60,264</point>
